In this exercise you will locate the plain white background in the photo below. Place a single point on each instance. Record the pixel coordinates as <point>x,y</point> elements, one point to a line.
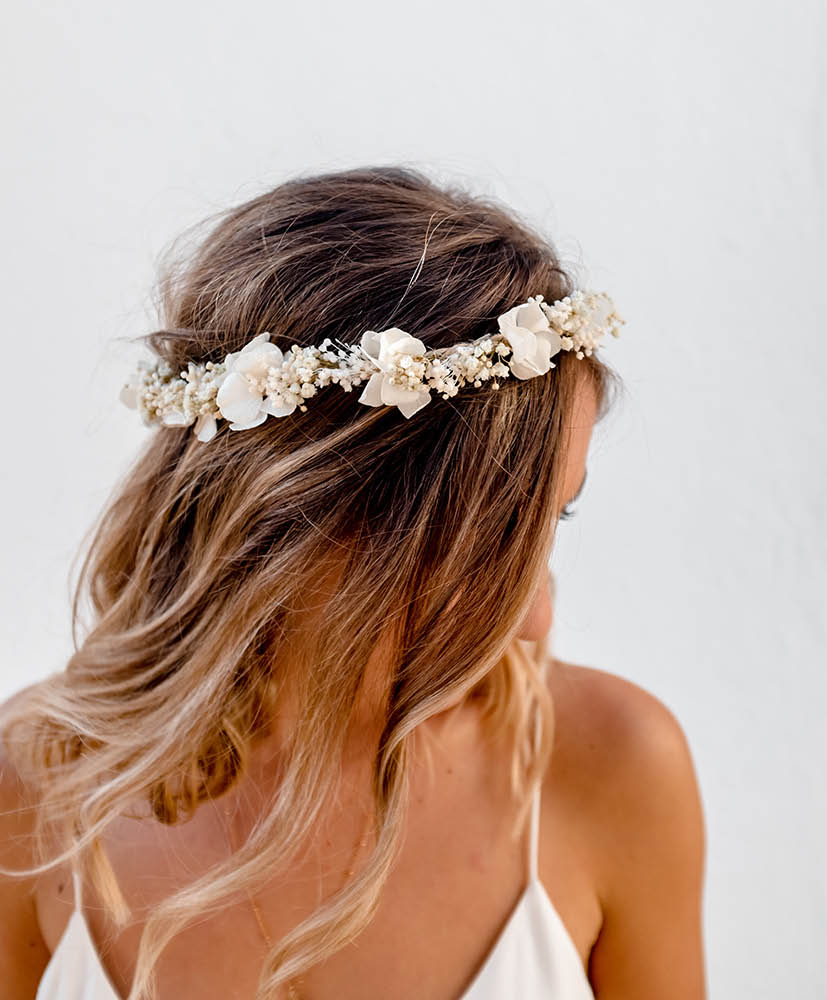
<point>676,156</point>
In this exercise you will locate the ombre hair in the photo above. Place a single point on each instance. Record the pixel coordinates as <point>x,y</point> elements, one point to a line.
<point>437,530</point>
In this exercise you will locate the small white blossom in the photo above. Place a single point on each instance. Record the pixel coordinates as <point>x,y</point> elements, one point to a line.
<point>241,393</point>
<point>532,341</point>
<point>393,351</point>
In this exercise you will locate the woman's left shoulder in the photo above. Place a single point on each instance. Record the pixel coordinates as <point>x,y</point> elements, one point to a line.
<point>626,759</point>
<point>616,726</point>
<point>623,765</point>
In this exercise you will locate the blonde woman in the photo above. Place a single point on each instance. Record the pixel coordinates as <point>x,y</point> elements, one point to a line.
<point>312,742</point>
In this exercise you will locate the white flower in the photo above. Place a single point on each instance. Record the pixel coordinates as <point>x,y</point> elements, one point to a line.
<point>241,396</point>
<point>531,339</point>
<point>397,383</point>
<point>205,427</point>
<point>129,396</point>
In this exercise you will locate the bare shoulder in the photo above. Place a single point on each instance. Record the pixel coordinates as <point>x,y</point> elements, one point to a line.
<point>615,726</point>
<point>622,759</point>
<point>626,749</point>
<point>23,952</point>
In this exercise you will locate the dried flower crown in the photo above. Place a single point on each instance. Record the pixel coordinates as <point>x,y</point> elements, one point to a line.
<point>260,380</point>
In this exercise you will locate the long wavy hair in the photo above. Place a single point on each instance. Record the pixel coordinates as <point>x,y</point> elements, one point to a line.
<point>438,530</point>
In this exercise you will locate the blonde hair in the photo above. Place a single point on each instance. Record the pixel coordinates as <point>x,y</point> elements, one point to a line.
<point>439,527</point>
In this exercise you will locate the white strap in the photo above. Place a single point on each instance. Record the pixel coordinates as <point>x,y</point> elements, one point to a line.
<point>534,839</point>
<point>77,886</point>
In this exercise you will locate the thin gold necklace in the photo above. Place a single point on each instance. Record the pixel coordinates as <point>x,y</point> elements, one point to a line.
<point>297,981</point>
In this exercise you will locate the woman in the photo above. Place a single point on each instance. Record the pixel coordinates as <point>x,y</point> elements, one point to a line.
<point>305,746</point>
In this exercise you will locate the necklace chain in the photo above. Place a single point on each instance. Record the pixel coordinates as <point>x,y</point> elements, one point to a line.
<point>296,981</point>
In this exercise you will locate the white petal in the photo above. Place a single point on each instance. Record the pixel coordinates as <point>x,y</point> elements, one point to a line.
<point>275,409</point>
<point>206,427</point>
<point>237,399</point>
<point>394,342</point>
<point>508,320</point>
<point>522,342</point>
<point>175,418</point>
<point>129,396</point>
<point>391,334</point>
<point>262,338</point>
<point>257,361</point>
<point>409,345</point>
<point>230,359</point>
<point>531,317</point>
<point>523,369</point>
<point>542,356</point>
<point>552,337</point>
<point>372,393</point>
<point>394,395</point>
<point>370,343</point>
<point>409,409</point>
<point>247,424</point>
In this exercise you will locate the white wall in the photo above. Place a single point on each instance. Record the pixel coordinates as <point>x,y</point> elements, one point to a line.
<point>676,152</point>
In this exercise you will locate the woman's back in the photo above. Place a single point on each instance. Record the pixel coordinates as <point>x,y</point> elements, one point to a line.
<point>461,897</point>
<point>459,880</point>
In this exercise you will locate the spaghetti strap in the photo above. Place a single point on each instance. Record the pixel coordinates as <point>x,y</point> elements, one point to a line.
<point>534,839</point>
<point>77,886</point>
<point>534,834</point>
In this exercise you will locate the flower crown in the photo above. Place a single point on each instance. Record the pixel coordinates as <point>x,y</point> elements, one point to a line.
<point>260,380</point>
